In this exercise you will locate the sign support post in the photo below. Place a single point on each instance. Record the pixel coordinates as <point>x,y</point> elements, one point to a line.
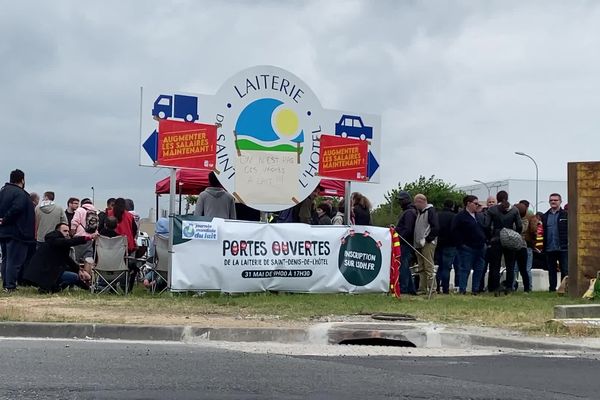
<point>347,205</point>
<point>172,191</point>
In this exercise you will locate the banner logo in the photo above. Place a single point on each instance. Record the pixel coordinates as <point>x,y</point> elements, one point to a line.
<point>359,259</point>
<point>198,230</point>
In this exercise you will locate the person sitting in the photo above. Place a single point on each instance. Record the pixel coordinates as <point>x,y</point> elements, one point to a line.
<point>109,228</point>
<point>51,268</point>
<point>151,278</point>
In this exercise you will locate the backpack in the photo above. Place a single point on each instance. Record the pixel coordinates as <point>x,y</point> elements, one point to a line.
<point>511,240</point>
<point>91,221</point>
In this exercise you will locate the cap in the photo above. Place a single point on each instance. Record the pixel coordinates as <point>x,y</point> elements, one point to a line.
<point>404,195</point>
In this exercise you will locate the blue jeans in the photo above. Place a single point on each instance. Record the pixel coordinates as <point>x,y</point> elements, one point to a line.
<point>456,264</point>
<point>553,257</point>
<point>447,256</point>
<point>407,285</point>
<point>14,255</point>
<point>529,265</point>
<point>68,278</point>
<point>471,259</point>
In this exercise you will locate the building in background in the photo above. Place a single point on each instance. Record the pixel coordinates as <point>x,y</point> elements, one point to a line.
<point>520,189</point>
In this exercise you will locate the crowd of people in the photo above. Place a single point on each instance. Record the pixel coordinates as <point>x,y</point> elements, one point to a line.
<point>37,236</point>
<point>476,239</point>
<point>216,202</point>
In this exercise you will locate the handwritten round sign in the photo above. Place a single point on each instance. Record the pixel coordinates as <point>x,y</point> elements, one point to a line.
<point>268,139</point>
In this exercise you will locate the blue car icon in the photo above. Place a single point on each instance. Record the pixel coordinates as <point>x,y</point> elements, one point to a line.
<point>352,126</point>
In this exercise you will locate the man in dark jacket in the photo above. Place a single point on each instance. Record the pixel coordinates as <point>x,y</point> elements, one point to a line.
<point>406,230</point>
<point>470,237</point>
<point>17,228</point>
<point>51,268</point>
<point>446,247</point>
<point>502,215</point>
<point>556,240</point>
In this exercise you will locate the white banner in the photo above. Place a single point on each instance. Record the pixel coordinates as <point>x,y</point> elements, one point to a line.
<point>254,257</point>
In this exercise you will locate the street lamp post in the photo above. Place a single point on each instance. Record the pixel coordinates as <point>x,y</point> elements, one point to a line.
<point>520,153</point>
<point>484,184</point>
<point>93,196</point>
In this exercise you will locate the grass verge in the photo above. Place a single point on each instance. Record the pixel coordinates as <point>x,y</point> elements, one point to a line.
<point>525,312</point>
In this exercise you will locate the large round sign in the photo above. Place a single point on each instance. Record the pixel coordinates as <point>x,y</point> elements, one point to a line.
<point>269,135</point>
<point>359,259</point>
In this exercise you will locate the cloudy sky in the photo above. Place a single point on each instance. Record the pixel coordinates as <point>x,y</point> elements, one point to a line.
<point>460,85</point>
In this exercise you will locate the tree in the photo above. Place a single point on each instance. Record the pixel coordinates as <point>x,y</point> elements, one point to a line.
<point>436,190</point>
<point>190,201</point>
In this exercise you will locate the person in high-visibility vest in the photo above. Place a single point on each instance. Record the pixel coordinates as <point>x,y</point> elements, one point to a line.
<point>395,264</point>
<point>539,240</point>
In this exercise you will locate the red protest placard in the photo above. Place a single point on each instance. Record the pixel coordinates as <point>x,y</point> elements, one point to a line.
<point>186,145</point>
<point>343,158</point>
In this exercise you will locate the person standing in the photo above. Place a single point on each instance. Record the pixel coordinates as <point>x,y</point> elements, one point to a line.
<point>426,233</point>
<point>502,215</point>
<point>305,211</point>
<point>35,199</point>
<point>556,240</point>
<point>214,201</point>
<point>524,258</point>
<point>72,205</point>
<point>131,209</point>
<point>127,227</point>
<point>103,215</point>
<point>47,216</point>
<point>490,202</point>
<point>338,219</point>
<point>470,238</point>
<point>446,247</point>
<point>406,229</point>
<point>17,228</point>
<point>323,212</point>
<point>361,208</point>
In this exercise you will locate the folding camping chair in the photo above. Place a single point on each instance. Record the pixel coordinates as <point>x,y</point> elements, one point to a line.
<point>137,259</point>
<point>161,261</point>
<point>110,264</point>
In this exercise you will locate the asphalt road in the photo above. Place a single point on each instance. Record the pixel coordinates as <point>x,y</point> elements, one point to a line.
<point>47,369</point>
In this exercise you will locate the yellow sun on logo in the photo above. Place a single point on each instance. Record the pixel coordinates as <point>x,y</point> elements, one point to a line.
<point>286,122</point>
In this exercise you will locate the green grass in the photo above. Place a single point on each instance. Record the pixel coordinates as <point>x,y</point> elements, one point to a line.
<point>245,144</point>
<point>519,311</point>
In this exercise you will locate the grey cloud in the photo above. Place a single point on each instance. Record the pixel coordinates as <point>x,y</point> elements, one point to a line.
<point>460,85</point>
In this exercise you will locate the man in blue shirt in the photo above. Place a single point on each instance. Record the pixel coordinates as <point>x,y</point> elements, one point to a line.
<point>556,240</point>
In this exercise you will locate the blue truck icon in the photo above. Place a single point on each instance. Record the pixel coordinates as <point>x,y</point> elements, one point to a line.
<point>352,126</point>
<point>178,106</point>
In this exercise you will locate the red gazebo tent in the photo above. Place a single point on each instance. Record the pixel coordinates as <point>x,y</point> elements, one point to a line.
<point>190,181</point>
